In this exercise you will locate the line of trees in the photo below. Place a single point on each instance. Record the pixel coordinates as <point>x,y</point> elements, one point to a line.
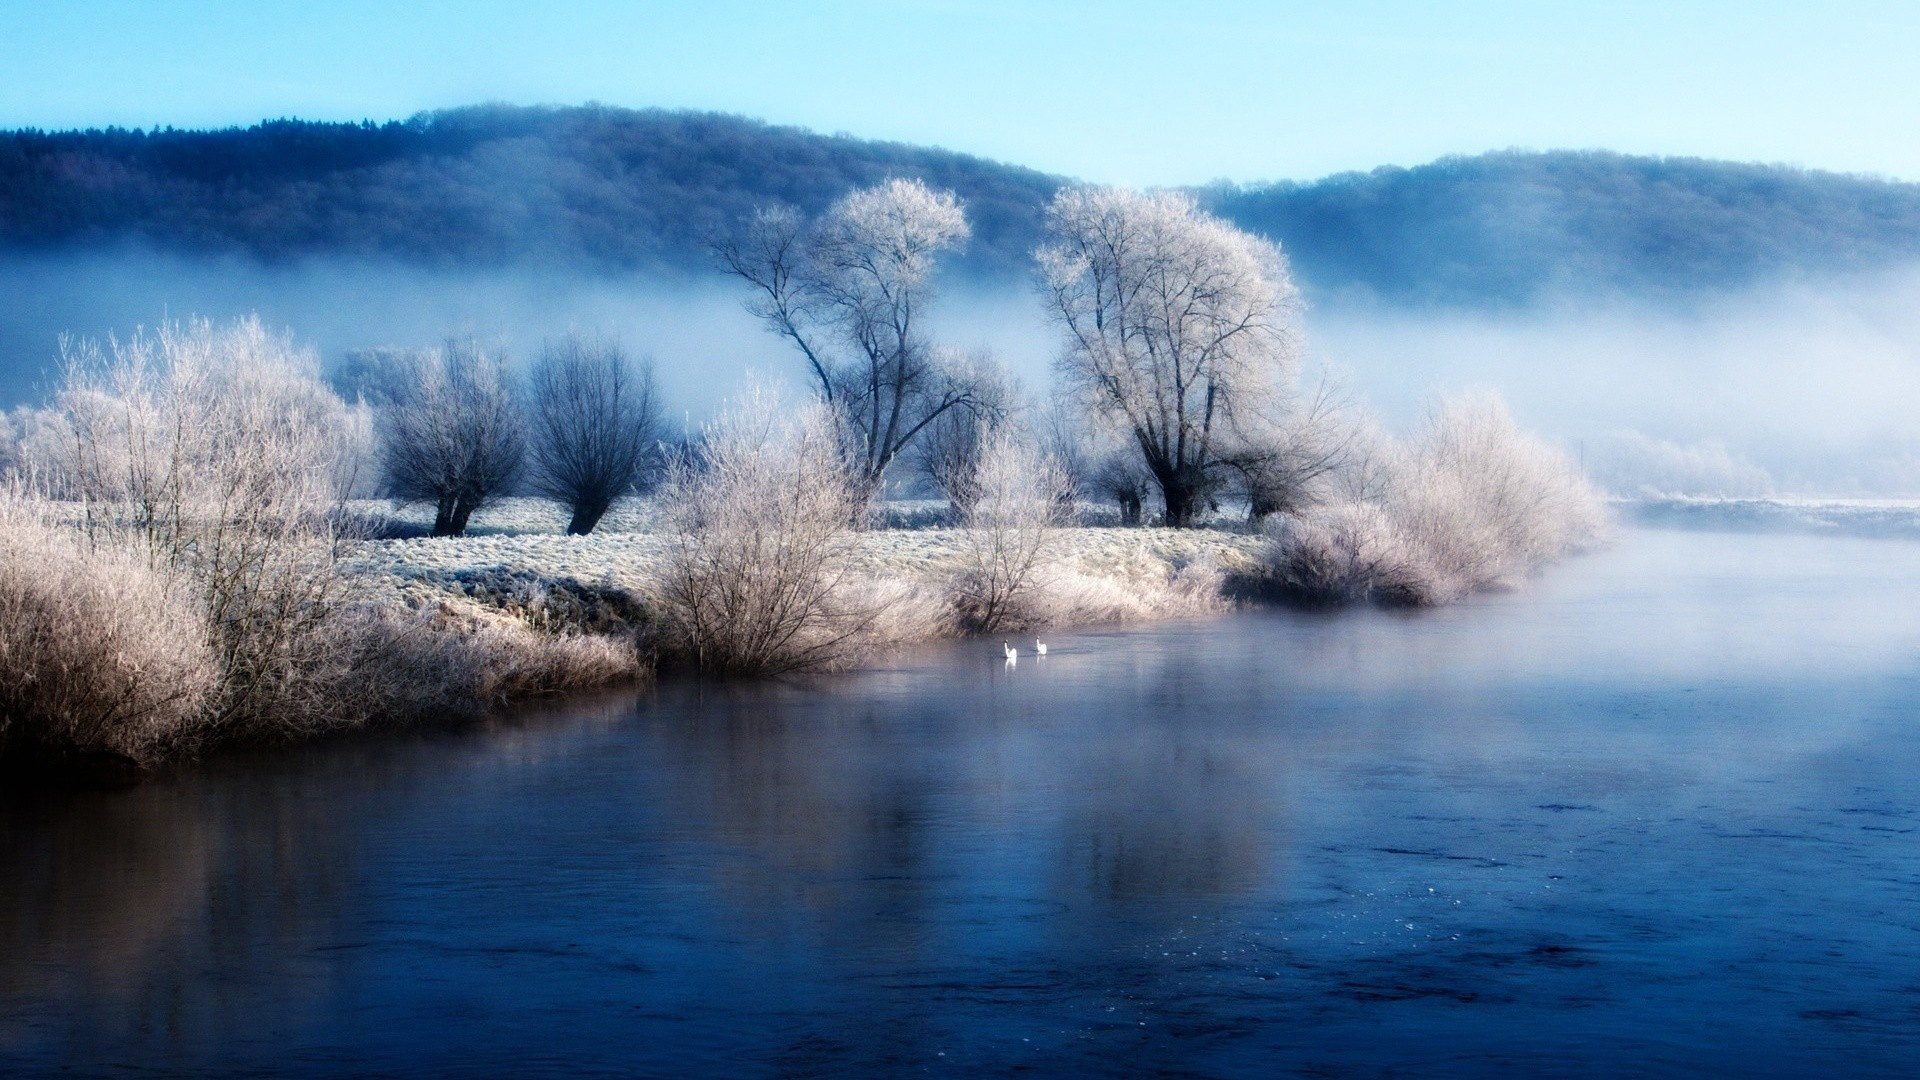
<point>456,431</point>
<point>1179,346</point>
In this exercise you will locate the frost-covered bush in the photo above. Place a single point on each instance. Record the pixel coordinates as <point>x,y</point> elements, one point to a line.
<point>1349,552</point>
<point>1019,498</point>
<point>219,455</point>
<point>452,662</point>
<point>758,574</point>
<point>1634,464</point>
<point>1472,503</point>
<point>98,654</point>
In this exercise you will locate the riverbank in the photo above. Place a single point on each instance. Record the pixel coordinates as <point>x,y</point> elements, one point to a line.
<point>518,559</point>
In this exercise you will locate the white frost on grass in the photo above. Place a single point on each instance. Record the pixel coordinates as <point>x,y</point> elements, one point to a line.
<point>1093,573</point>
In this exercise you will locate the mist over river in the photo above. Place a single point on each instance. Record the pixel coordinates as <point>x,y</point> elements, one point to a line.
<point>1653,815</point>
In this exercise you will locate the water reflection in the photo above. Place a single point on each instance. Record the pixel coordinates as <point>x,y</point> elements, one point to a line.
<point>1637,818</point>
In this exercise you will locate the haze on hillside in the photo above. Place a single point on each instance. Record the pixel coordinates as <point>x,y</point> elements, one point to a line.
<point>1745,325</point>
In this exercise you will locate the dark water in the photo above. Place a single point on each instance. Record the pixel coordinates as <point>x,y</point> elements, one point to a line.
<point>1656,815</point>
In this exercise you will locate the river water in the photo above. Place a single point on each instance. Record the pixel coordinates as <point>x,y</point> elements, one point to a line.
<point>1655,815</point>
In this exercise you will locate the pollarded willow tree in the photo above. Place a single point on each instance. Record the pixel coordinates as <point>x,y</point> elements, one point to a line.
<point>1181,330</point>
<point>453,434</point>
<point>849,290</point>
<point>595,425</point>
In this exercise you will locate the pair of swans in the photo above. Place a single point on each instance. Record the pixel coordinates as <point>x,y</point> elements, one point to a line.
<point>1011,653</point>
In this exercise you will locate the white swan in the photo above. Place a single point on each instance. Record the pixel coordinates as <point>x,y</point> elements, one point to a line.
<point>1039,647</point>
<point>1012,653</point>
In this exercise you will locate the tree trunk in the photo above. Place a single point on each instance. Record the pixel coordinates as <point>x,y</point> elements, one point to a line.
<point>462,510</point>
<point>443,517</point>
<point>1183,501</point>
<point>585,517</point>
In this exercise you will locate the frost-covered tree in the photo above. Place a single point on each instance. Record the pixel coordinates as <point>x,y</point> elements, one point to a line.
<point>849,290</point>
<point>215,453</point>
<point>1294,463</point>
<point>1179,329</point>
<point>596,426</point>
<point>947,452</point>
<point>454,435</point>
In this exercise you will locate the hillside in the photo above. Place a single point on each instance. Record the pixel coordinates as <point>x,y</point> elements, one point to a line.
<point>611,189</point>
<point>1504,227</point>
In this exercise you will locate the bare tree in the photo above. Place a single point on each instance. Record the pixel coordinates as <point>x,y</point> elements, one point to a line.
<point>454,435</point>
<point>596,426</point>
<point>947,453</point>
<point>1288,468</point>
<point>848,291</point>
<point>1061,439</point>
<point>1179,328</point>
<point>1119,475</point>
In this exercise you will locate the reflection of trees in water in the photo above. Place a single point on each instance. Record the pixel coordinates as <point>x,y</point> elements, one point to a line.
<point>858,803</point>
<point>826,806</point>
<point>148,919</point>
<point>145,910</point>
<point>1171,822</point>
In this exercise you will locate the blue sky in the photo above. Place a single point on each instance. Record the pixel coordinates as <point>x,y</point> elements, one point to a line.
<point>1112,91</point>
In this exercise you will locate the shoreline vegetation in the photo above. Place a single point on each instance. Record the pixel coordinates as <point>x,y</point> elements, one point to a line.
<point>194,552</point>
<point>425,629</point>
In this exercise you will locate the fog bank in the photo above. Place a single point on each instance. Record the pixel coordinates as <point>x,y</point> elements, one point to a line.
<point>1805,388</point>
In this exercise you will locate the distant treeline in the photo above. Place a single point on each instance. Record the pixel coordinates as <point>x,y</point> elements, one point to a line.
<point>615,189</point>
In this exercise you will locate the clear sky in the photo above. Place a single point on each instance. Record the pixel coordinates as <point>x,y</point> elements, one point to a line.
<point>1112,91</point>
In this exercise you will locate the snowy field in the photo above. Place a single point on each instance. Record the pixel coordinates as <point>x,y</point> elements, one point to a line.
<point>524,541</point>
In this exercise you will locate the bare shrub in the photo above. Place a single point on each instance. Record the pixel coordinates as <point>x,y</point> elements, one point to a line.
<point>1017,498</point>
<point>453,436</point>
<point>1473,503</point>
<point>596,427</point>
<point>454,662</point>
<point>1476,472</point>
<point>1351,553</point>
<point>1070,597</point>
<point>97,653</point>
<point>757,576</point>
<point>217,453</point>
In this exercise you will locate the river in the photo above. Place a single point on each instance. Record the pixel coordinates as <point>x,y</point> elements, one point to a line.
<point>1656,814</point>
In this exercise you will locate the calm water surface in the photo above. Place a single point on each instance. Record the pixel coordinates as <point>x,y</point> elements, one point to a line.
<point>1654,816</point>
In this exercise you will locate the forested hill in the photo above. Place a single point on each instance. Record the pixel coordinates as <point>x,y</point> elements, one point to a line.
<point>1504,227</point>
<point>610,189</point>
